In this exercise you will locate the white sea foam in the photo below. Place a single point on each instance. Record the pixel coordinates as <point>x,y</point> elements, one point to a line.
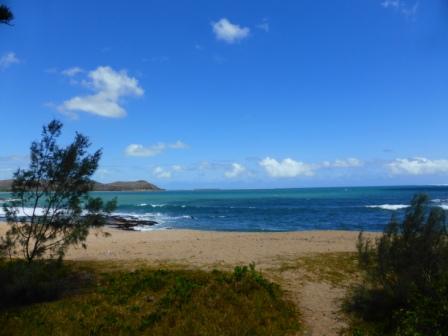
<point>442,203</point>
<point>151,205</point>
<point>143,228</point>
<point>391,207</point>
<point>25,212</point>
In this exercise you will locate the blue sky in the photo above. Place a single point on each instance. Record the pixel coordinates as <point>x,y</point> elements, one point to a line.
<point>234,94</point>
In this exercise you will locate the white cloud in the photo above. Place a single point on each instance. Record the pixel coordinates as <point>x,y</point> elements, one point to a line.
<point>159,172</point>
<point>153,150</point>
<point>71,72</point>
<point>167,173</point>
<point>347,163</point>
<point>286,168</point>
<point>418,166</point>
<point>229,32</point>
<point>140,150</point>
<point>236,170</point>
<point>109,87</point>
<point>8,59</point>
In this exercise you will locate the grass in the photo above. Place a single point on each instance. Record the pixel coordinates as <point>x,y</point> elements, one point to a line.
<point>160,302</point>
<point>338,268</point>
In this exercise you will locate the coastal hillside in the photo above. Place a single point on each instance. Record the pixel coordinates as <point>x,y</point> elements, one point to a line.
<point>5,185</point>
<point>141,185</point>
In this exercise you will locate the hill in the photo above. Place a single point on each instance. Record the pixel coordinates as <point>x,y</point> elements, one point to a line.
<point>141,185</point>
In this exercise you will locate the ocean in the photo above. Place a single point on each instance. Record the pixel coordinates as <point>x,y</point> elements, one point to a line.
<point>358,208</point>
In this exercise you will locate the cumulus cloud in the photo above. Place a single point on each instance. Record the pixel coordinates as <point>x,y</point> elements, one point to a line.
<point>418,166</point>
<point>291,168</point>
<point>153,150</point>
<point>235,171</point>
<point>71,72</point>
<point>159,172</point>
<point>229,32</point>
<point>8,59</point>
<point>286,168</point>
<point>109,88</point>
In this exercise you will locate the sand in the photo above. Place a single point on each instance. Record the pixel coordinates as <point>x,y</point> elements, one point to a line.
<point>204,247</point>
<point>210,247</point>
<point>319,302</point>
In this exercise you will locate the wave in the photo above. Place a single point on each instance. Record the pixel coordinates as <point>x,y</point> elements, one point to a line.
<point>156,216</point>
<point>442,203</point>
<point>25,212</point>
<point>391,207</point>
<point>5,200</point>
<point>151,205</point>
<point>143,228</point>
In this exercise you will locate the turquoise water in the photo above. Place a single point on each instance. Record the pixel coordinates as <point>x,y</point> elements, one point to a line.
<point>274,209</point>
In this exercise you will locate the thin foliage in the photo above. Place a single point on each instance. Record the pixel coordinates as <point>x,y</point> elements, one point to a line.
<point>51,208</point>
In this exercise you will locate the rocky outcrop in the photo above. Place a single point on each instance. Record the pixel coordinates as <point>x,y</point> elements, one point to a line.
<point>127,222</point>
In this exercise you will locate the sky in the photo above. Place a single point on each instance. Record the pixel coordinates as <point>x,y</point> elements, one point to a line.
<point>233,94</point>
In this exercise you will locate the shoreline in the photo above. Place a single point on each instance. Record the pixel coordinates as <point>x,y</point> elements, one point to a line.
<point>202,248</point>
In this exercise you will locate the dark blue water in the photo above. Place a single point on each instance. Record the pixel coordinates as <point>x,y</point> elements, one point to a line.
<point>275,210</point>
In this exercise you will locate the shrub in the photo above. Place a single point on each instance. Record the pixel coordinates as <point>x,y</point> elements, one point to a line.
<point>406,270</point>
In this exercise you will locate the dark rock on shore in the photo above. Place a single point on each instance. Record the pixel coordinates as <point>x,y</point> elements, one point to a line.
<point>127,222</point>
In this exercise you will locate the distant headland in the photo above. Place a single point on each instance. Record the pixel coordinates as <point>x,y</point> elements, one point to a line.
<point>140,185</point>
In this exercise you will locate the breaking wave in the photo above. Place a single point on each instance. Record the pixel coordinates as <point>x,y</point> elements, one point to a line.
<point>391,207</point>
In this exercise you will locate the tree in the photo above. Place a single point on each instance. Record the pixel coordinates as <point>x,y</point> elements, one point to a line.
<point>6,15</point>
<point>51,207</point>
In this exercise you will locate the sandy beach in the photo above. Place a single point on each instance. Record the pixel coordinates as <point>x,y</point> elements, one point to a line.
<point>210,247</point>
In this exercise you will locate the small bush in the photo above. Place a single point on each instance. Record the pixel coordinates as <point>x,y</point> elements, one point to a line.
<point>406,272</point>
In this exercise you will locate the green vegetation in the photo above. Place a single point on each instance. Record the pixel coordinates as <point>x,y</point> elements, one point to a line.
<point>337,268</point>
<point>405,288</point>
<point>55,191</point>
<point>157,302</point>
